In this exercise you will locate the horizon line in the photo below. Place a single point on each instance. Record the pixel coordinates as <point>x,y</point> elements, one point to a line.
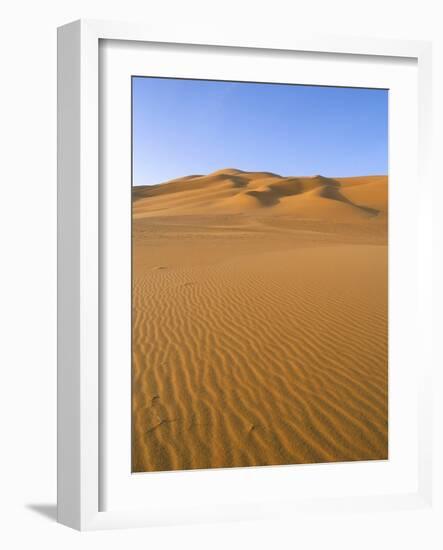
<point>238,170</point>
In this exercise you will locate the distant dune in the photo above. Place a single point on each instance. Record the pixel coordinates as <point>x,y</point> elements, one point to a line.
<point>259,321</point>
<point>232,191</point>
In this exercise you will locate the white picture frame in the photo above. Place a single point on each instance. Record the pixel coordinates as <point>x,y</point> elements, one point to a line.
<point>81,409</point>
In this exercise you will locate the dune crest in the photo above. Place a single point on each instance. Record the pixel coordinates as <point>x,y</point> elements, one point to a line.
<point>229,191</point>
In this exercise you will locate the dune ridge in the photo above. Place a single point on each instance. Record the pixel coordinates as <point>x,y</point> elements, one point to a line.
<point>232,191</point>
<point>259,321</point>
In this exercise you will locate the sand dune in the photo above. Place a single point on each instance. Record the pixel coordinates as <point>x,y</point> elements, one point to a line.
<point>232,191</point>
<point>259,321</point>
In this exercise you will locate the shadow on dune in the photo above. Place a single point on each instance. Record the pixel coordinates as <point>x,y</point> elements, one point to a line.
<point>284,187</point>
<point>328,188</point>
<point>332,191</point>
<point>265,198</point>
<point>238,181</point>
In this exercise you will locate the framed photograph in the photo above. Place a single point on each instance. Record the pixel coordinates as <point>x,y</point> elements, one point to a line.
<point>244,276</point>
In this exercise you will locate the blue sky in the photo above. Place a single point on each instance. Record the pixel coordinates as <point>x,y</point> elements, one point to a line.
<point>184,127</point>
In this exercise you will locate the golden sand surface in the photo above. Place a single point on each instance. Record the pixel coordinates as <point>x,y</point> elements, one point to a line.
<point>259,321</point>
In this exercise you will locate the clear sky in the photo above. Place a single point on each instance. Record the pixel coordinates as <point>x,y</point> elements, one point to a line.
<point>184,127</point>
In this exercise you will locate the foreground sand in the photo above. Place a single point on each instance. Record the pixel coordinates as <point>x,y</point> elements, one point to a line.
<point>259,321</point>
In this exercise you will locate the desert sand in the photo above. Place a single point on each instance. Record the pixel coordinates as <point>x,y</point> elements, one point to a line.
<point>259,321</point>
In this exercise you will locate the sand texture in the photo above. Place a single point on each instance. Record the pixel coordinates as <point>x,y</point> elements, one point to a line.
<point>259,321</point>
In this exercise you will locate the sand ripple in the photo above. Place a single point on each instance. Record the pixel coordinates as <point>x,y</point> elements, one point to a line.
<point>272,358</point>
